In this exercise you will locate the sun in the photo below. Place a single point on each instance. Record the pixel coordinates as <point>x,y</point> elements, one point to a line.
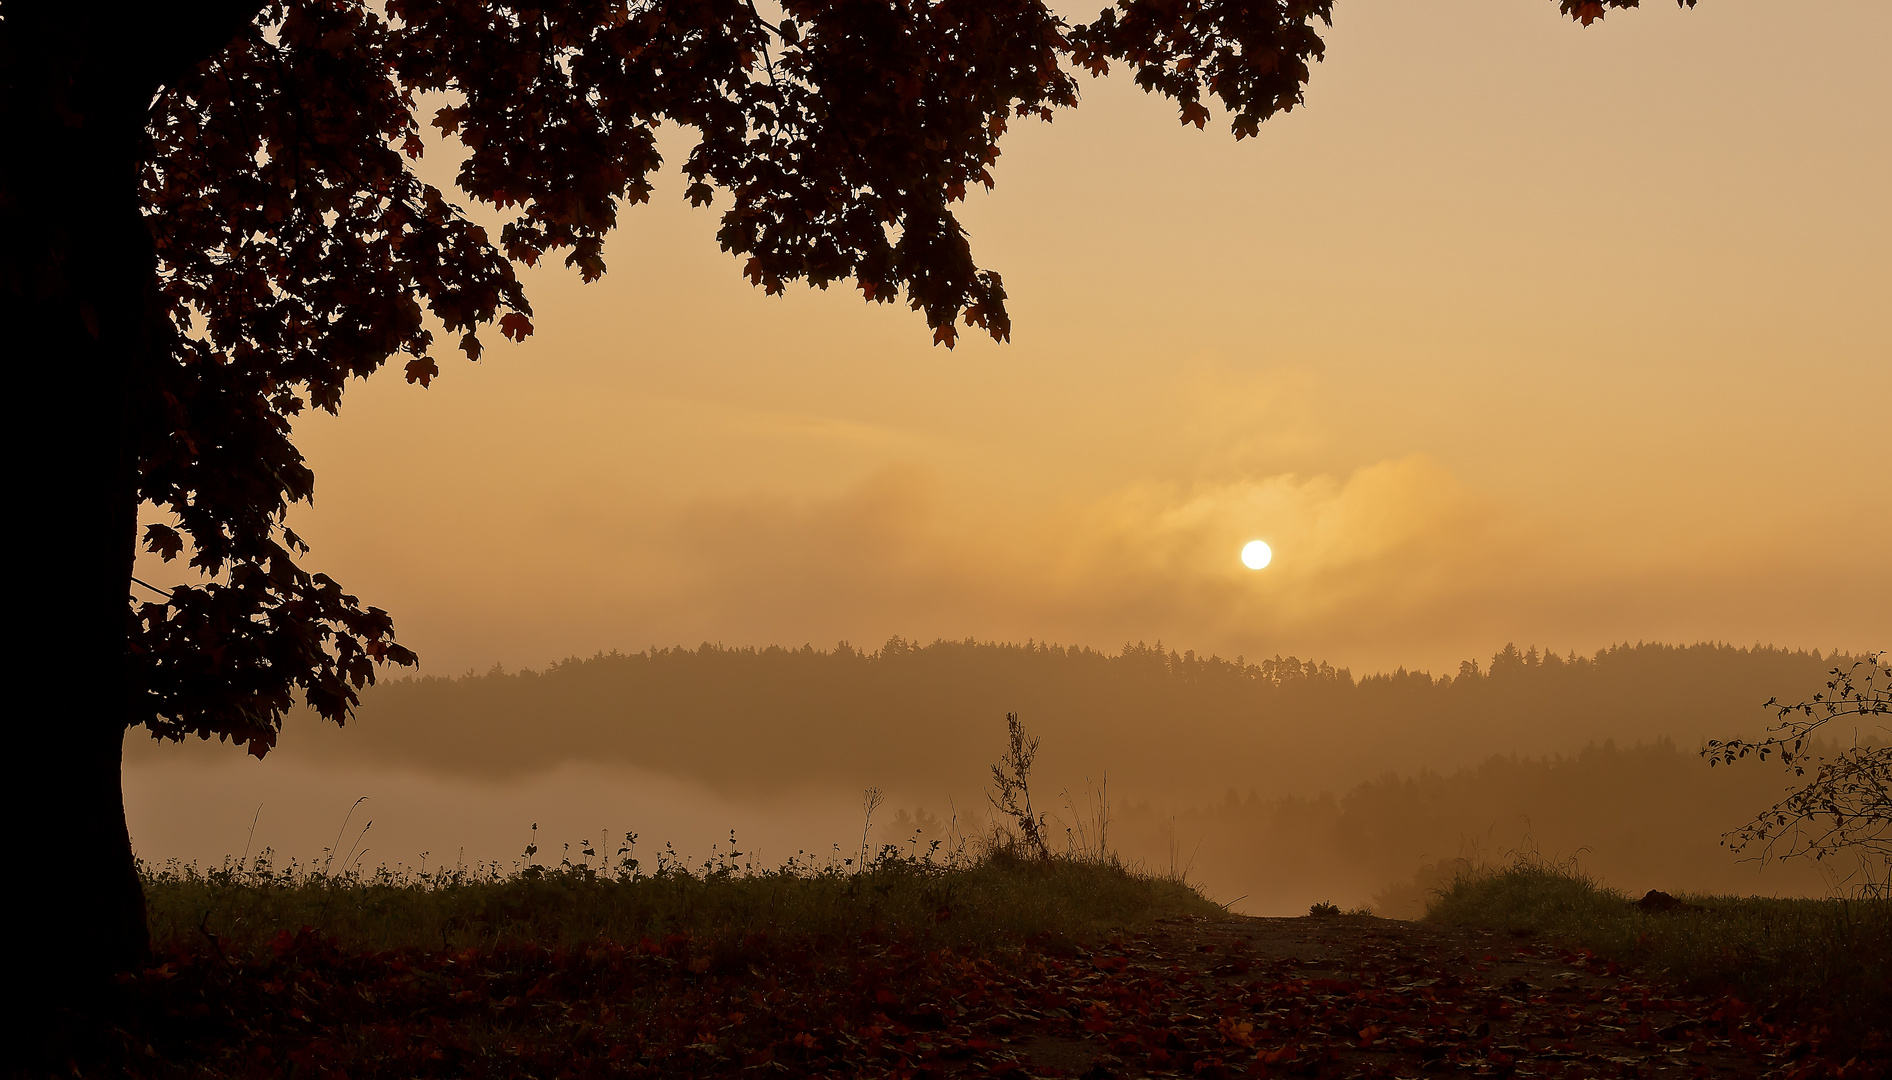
<point>1256,554</point>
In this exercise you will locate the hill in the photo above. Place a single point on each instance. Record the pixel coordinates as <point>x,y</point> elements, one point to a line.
<point>925,720</point>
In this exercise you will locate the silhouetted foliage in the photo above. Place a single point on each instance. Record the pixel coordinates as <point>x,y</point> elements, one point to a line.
<point>1846,806</point>
<point>210,221</point>
<point>295,247</point>
<point>1011,787</point>
<point>298,248</point>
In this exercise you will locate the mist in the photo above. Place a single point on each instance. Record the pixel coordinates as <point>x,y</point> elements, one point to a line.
<point>1273,783</point>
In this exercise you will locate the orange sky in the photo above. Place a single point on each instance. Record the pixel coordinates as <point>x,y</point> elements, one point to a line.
<point>1518,331</point>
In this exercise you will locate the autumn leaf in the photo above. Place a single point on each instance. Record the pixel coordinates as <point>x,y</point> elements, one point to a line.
<point>163,541</point>
<point>515,326</point>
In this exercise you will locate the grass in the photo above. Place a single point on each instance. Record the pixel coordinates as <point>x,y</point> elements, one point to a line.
<point>1831,956</point>
<point>1005,887</point>
<point>580,969</point>
<point>994,898</point>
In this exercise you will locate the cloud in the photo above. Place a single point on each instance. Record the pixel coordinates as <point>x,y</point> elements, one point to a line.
<point>902,552</point>
<point>1396,562</point>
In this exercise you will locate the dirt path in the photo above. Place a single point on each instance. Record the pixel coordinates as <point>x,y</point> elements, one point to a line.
<point>1359,996</point>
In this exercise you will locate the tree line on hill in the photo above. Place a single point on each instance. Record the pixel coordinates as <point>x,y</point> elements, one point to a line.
<point>924,722</point>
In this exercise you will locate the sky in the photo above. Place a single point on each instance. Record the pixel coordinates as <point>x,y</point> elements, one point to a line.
<point>1517,331</point>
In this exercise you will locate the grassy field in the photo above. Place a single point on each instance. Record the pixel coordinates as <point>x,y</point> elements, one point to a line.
<point>1833,957</point>
<point>901,966</point>
<point>992,899</point>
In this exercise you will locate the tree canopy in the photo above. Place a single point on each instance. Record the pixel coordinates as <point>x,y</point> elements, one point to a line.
<point>211,220</point>
<point>298,247</point>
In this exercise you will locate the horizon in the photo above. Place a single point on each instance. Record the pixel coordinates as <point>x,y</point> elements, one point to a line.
<point>499,667</point>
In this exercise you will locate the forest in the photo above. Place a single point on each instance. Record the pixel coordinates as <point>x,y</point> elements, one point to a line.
<point>1176,726</point>
<point>1279,782</point>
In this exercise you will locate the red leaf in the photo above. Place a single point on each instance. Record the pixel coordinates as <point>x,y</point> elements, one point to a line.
<point>515,326</point>
<point>162,540</point>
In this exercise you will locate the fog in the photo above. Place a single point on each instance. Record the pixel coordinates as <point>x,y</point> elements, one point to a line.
<point>1273,784</point>
<point>205,809</point>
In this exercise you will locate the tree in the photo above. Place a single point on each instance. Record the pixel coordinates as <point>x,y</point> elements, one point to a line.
<point>1845,808</point>
<point>210,222</point>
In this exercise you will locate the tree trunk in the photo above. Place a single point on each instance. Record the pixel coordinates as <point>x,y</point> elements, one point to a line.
<point>79,300</point>
<point>78,264</point>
